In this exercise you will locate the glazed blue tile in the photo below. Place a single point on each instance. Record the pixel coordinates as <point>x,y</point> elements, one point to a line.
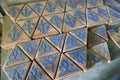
<point>17,72</point>
<point>72,43</point>
<point>26,13</point>
<point>50,64</point>
<point>61,4</point>
<point>101,30</point>
<point>70,21</point>
<point>45,48</point>
<point>38,6</point>
<point>58,40</point>
<point>16,56</point>
<point>72,3</point>
<point>94,58</point>
<point>44,27</point>
<point>13,11</point>
<point>78,55</point>
<point>37,73</point>
<point>116,7</point>
<point>67,67</point>
<point>92,2</point>
<point>56,20</point>
<point>93,16</point>
<point>81,34</point>
<point>30,47</point>
<point>80,15</point>
<point>15,33</point>
<point>114,13</point>
<point>29,26</point>
<point>82,2</point>
<point>51,8</point>
<point>110,2</point>
<point>103,12</point>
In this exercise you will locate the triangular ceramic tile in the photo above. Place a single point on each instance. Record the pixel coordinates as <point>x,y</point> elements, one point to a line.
<point>26,13</point>
<point>13,11</point>
<point>82,2</point>
<point>45,48</point>
<point>51,9</point>
<point>79,14</point>
<point>114,15</point>
<point>16,57</point>
<point>94,3</point>
<point>78,56</point>
<point>94,19</point>
<point>114,34</point>
<point>80,34</point>
<point>49,63</point>
<point>18,72</point>
<point>56,20</point>
<point>60,3</point>
<point>101,31</point>
<point>71,23</point>
<point>72,4</point>
<point>102,11</point>
<point>14,36</point>
<point>38,7</point>
<point>57,40</point>
<point>94,59</point>
<point>28,25</point>
<point>116,7</point>
<point>43,29</point>
<point>72,43</point>
<point>37,73</point>
<point>102,49</point>
<point>30,47</point>
<point>111,2</point>
<point>94,39</point>
<point>66,68</point>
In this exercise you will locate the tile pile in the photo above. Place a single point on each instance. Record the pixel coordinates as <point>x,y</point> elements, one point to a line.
<point>51,38</point>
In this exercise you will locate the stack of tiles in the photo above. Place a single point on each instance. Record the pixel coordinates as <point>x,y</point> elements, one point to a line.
<point>50,38</point>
